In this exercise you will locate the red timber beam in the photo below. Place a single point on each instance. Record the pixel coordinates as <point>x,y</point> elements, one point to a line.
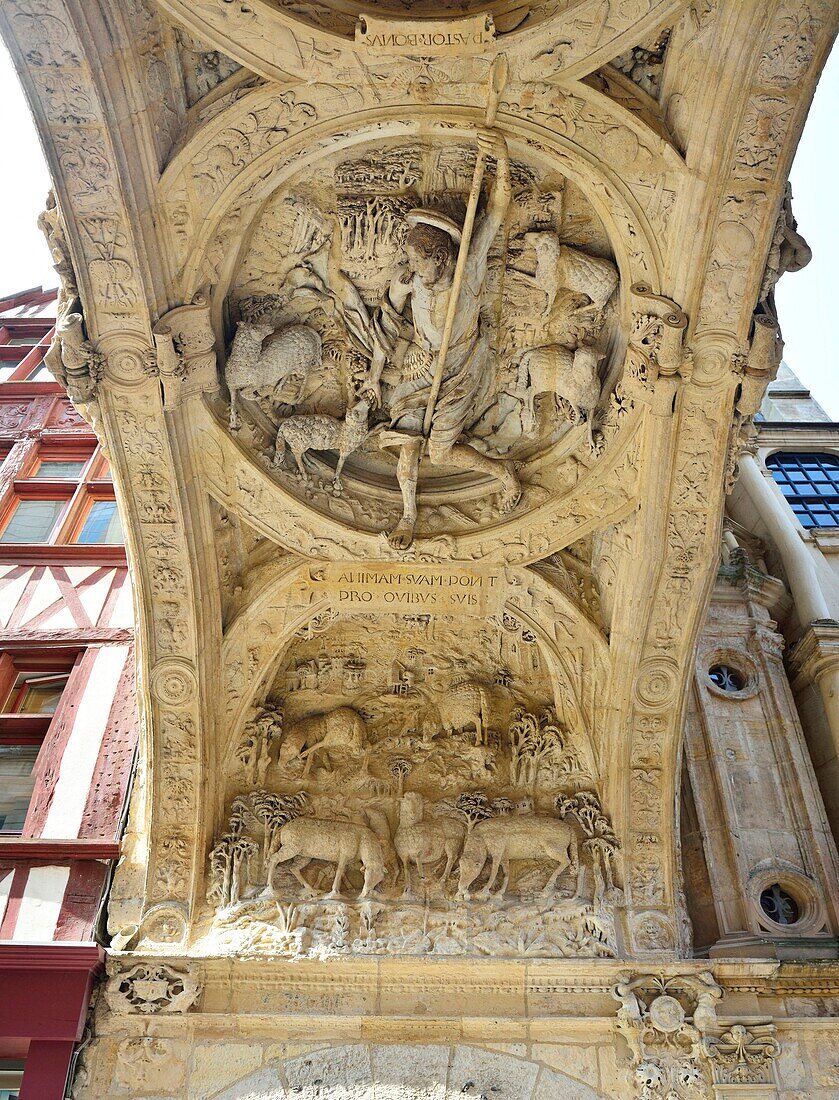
<point>46,992</point>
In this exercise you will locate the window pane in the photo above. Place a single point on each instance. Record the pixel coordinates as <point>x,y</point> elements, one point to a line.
<point>41,698</point>
<point>51,467</point>
<point>35,693</point>
<point>7,369</point>
<point>41,373</point>
<point>102,523</point>
<point>32,521</point>
<point>810,483</point>
<point>16,784</point>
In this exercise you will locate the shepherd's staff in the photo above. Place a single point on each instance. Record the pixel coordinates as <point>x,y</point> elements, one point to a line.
<point>497,80</point>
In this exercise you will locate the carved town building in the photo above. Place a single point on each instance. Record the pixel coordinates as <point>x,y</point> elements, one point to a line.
<point>426,346</point>
<point>68,712</point>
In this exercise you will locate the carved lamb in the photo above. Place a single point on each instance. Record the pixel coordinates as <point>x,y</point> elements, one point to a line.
<point>318,432</point>
<point>502,839</point>
<point>559,265</point>
<point>261,359</point>
<point>569,374</point>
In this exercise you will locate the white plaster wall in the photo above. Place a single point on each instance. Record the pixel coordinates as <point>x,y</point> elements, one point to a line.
<point>40,905</point>
<point>81,751</point>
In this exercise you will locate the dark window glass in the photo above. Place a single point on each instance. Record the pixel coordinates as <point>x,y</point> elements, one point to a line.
<point>778,905</point>
<point>40,373</point>
<point>727,678</point>
<point>16,785</point>
<point>63,468</point>
<point>810,483</point>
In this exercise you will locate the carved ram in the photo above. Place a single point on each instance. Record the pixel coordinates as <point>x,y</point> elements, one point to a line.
<point>261,359</point>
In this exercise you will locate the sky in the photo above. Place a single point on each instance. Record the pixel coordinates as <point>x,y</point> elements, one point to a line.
<point>805,299</point>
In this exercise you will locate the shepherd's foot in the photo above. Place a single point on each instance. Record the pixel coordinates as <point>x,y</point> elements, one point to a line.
<point>402,535</point>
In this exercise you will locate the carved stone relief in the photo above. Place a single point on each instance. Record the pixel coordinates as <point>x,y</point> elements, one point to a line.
<point>328,777</point>
<point>341,317</point>
<point>401,795</point>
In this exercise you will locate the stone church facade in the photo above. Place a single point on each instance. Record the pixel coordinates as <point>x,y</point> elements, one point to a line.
<point>428,348</point>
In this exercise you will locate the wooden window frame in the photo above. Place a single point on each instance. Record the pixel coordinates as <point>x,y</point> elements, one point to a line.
<point>27,729</point>
<point>42,334</point>
<point>78,494</point>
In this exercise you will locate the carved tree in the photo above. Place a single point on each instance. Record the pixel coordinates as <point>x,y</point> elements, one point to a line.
<point>474,807</point>
<point>532,740</point>
<point>601,840</point>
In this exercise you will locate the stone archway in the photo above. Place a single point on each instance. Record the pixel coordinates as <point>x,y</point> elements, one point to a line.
<point>378,1071</point>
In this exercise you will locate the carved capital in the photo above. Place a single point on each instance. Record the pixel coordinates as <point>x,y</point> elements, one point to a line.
<point>742,1055</point>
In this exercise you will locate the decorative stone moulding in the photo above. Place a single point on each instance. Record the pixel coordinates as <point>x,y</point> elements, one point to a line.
<point>342,43</point>
<point>150,988</point>
<point>812,914</point>
<point>735,658</point>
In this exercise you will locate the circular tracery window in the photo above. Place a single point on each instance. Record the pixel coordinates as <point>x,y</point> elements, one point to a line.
<point>778,905</point>
<point>727,678</point>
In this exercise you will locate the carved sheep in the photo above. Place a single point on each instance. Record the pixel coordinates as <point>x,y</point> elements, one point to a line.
<point>318,432</point>
<point>465,704</point>
<point>339,842</point>
<point>558,265</point>
<point>342,728</point>
<point>502,839</point>
<point>261,359</point>
<point>426,842</point>
<point>569,374</point>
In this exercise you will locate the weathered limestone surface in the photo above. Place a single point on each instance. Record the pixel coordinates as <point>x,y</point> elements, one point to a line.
<point>425,354</point>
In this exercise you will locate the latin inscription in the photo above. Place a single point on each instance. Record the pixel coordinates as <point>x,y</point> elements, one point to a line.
<point>441,590</point>
<point>425,37</point>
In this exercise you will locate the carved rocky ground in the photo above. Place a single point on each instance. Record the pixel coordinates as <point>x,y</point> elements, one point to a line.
<point>258,227</point>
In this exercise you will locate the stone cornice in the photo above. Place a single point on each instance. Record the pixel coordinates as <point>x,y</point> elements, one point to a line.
<point>817,651</point>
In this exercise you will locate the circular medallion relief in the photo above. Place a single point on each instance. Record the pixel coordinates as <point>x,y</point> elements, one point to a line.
<point>666,1014</point>
<point>403,379</point>
<point>173,682</point>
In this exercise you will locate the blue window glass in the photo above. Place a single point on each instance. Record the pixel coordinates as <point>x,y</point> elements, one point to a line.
<point>102,523</point>
<point>810,484</point>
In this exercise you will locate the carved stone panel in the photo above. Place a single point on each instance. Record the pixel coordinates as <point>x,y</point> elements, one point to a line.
<point>409,787</point>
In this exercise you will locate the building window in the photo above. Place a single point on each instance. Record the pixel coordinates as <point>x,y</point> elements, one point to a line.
<point>35,693</point>
<point>32,521</point>
<point>778,905</point>
<point>65,495</point>
<point>727,678</point>
<point>11,1077</point>
<point>41,373</point>
<point>17,781</point>
<point>22,349</point>
<point>810,484</point>
<point>32,686</point>
<point>101,524</point>
<point>60,468</point>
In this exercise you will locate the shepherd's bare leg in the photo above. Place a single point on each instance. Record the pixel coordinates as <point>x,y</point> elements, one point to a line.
<point>407,473</point>
<point>465,457</point>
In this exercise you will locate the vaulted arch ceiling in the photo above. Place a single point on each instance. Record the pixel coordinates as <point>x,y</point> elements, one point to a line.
<point>165,167</point>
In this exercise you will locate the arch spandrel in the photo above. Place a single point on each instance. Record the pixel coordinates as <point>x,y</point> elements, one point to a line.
<point>279,42</point>
<point>119,225</point>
